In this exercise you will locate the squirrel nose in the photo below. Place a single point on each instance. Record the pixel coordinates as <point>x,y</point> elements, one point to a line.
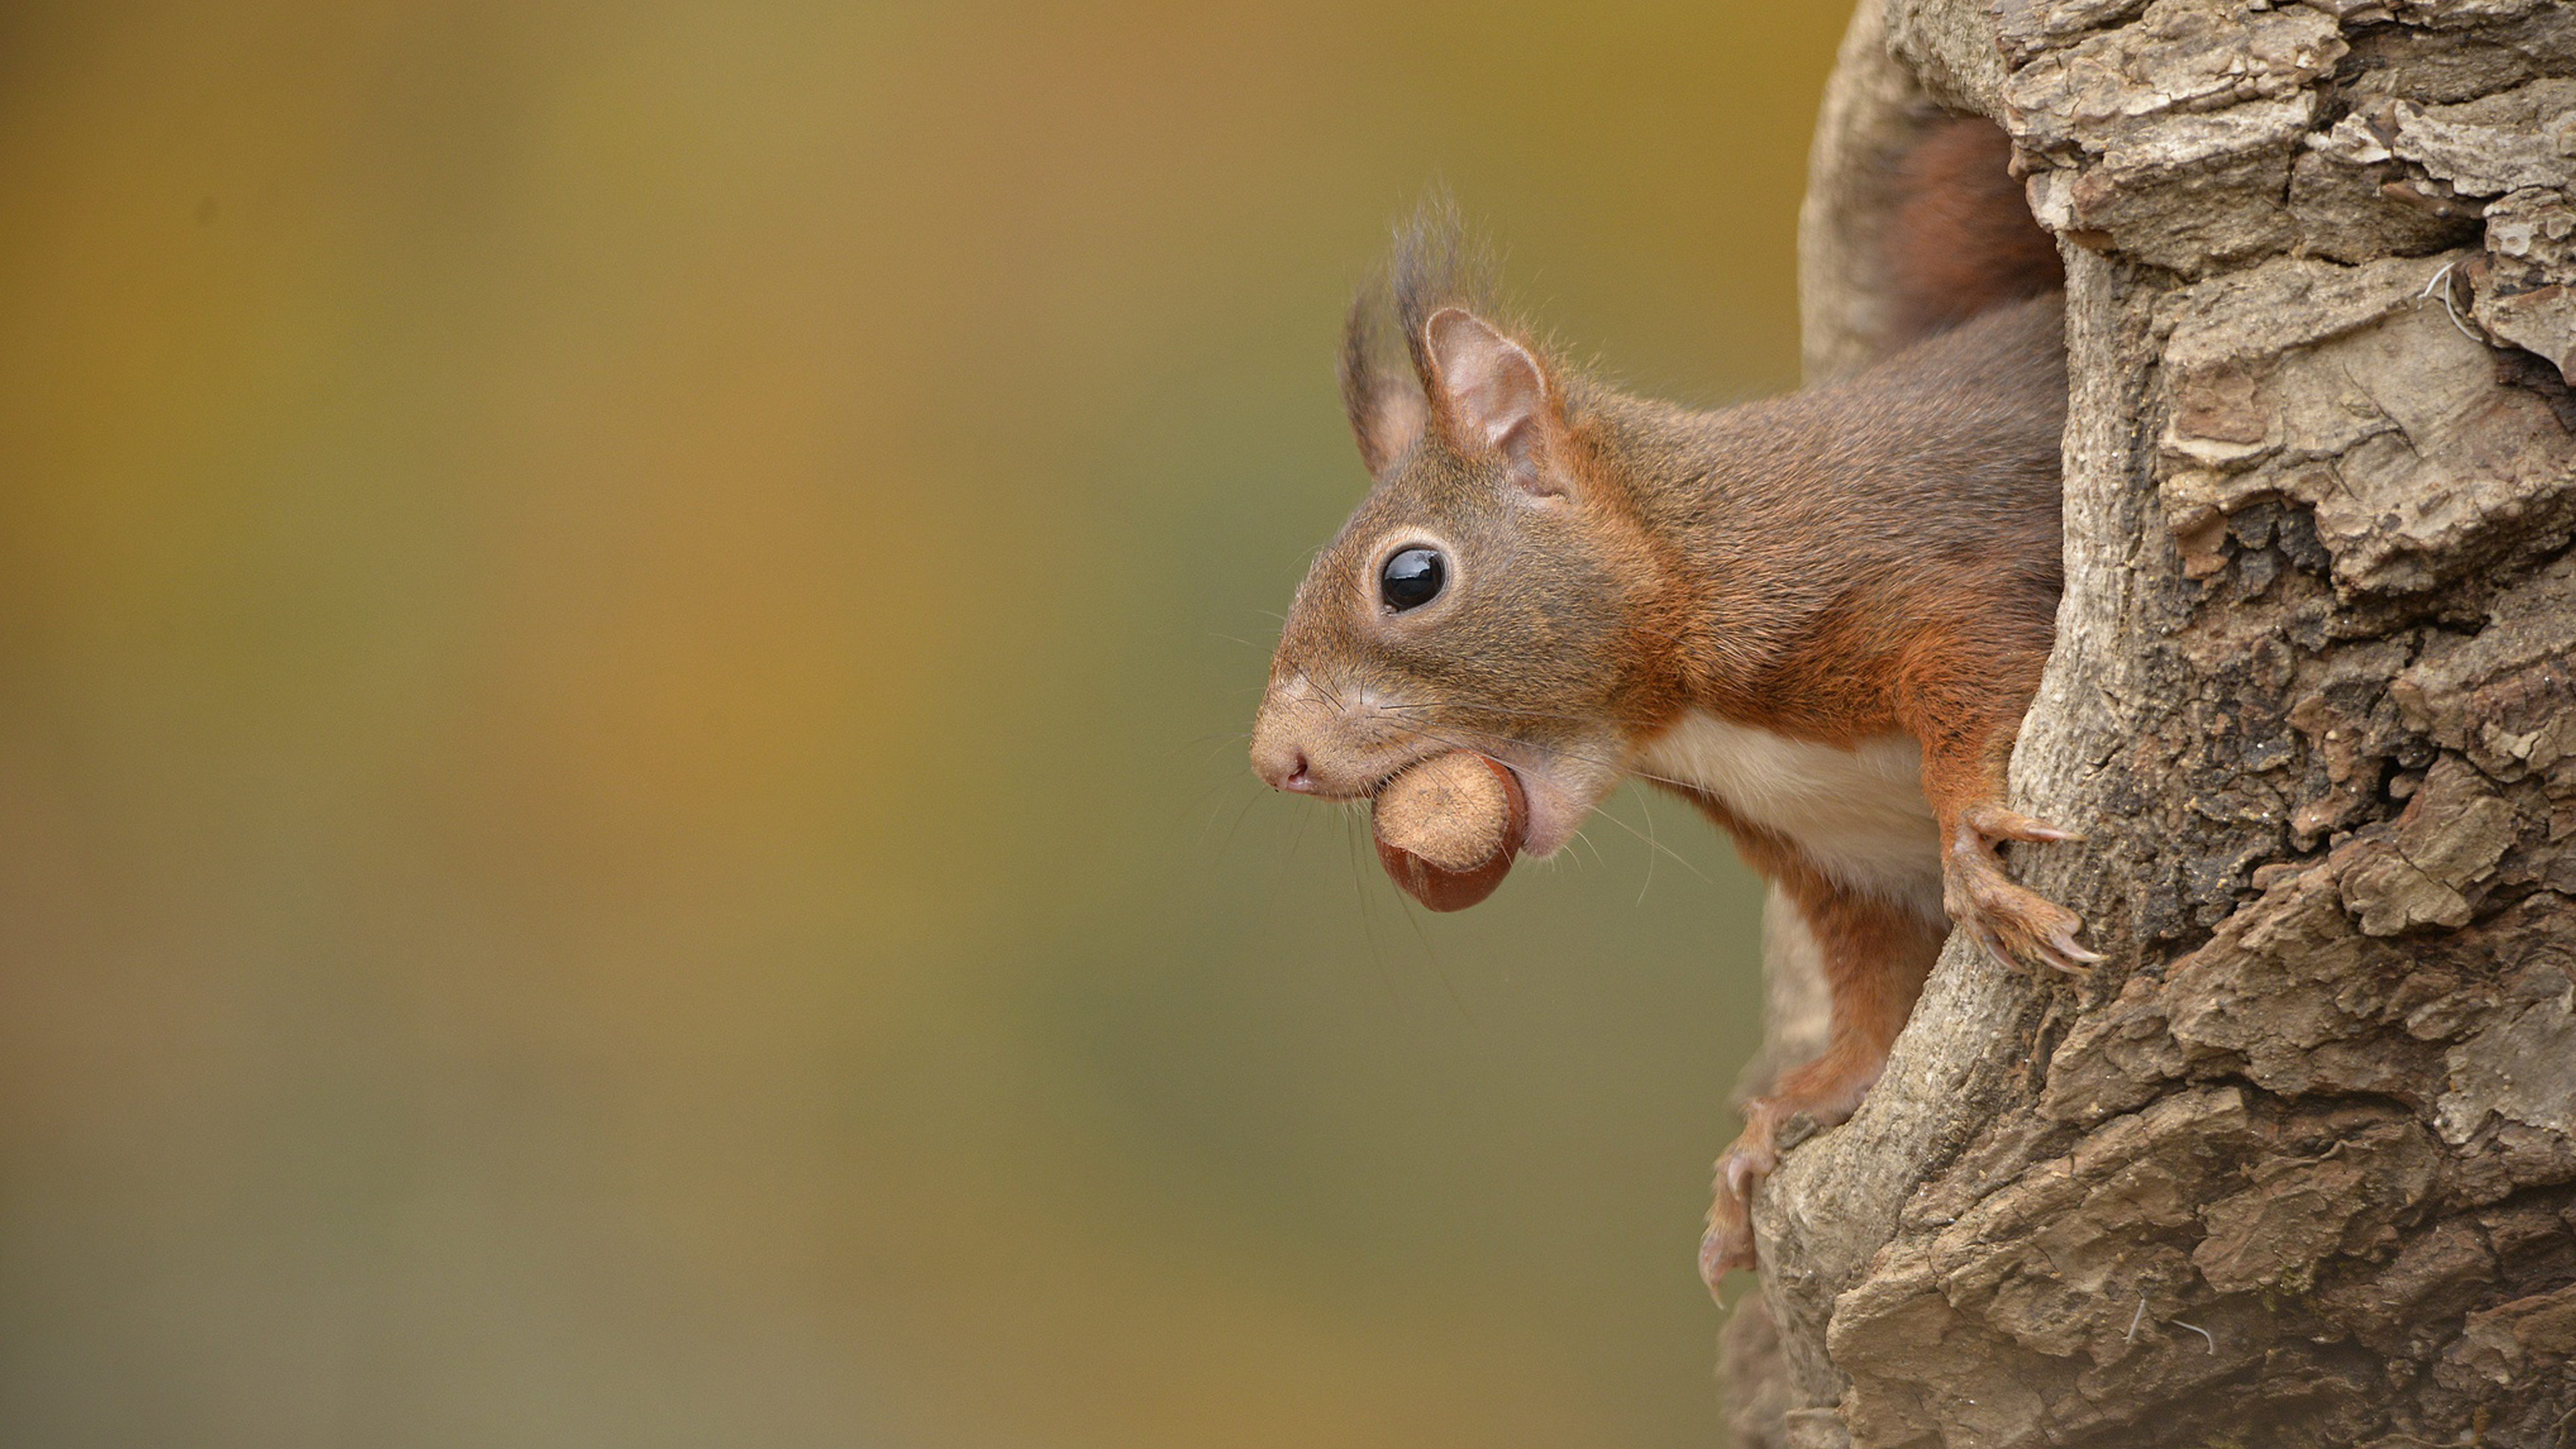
<point>1284,768</point>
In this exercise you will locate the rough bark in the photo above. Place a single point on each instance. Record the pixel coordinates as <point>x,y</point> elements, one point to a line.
<point>2298,1164</point>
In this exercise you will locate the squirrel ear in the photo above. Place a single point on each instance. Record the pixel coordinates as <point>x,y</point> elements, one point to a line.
<point>1492,393</point>
<point>1387,411</point>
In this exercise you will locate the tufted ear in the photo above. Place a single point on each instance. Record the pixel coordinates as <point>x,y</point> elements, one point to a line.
<point>1387,411</point>
<point>1490,394</point>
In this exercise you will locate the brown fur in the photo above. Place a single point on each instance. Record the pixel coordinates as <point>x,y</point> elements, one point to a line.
<point>1875,557</point>
<point>1960,240</point>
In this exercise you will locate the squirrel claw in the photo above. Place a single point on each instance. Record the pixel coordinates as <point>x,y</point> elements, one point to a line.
<point>2065,954</point>
<point>1994,823</point>
<point>1987,941</point>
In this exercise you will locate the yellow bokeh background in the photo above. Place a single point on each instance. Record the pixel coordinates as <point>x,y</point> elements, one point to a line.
<point>625,640</point>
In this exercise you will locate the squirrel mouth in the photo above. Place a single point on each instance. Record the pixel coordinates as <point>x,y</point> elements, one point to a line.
<point>1554,810</point>
<point>1553,815</point>
<point>1557,806</point>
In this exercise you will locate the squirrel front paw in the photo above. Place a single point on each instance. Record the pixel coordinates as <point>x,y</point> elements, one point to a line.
<point>2013,924</point>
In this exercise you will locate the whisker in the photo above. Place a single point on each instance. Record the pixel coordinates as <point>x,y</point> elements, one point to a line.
<point>1297,838</point>
<point>1561,753</point>
<point>1413,913</point>
<point>1359,895</point>
<point>1240,816</point>
<point>1214,746</point>
<point>1359,892</point>
<point>1312,684</point>
<point>1483,709</point>
<point>1655,845</point>
<point>1653,848</point>
<point>1646,806</point>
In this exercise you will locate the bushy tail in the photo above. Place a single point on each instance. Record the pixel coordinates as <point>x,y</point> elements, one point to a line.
<point>1960,239</point>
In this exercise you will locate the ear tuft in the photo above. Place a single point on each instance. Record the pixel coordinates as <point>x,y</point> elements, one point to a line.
<point>1489,391</point>
<point>1387,410</point>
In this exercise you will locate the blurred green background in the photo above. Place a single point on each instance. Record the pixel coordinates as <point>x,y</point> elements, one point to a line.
<point>625,640</point>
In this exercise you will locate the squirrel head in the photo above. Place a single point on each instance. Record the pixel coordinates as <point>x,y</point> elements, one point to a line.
<point>1485,595</point>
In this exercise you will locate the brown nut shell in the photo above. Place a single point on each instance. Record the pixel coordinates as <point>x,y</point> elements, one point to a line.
<point>1448,827</point>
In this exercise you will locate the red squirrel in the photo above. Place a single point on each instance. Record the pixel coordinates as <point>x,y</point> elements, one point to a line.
<point>1819,618</point>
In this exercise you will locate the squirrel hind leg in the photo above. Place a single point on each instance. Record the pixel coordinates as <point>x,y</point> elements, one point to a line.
<point>1960,239</point>
<point>1825,1092</point>
<point>1875,957</point>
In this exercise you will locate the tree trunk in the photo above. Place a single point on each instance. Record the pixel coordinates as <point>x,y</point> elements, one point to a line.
<point>2298,1163</point>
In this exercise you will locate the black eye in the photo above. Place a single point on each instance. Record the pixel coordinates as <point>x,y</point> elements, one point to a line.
<point>1412,579</point>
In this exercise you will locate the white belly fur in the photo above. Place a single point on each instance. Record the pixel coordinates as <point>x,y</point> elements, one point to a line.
<point>1859,814</point>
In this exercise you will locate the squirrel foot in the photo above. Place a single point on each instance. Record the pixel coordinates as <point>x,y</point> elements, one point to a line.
<point>1827,1100</point>
<point>2012,923</point>
<point>1728,1243</point>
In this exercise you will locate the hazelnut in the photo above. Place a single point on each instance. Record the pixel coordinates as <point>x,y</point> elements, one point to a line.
<point>1448,827</point>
